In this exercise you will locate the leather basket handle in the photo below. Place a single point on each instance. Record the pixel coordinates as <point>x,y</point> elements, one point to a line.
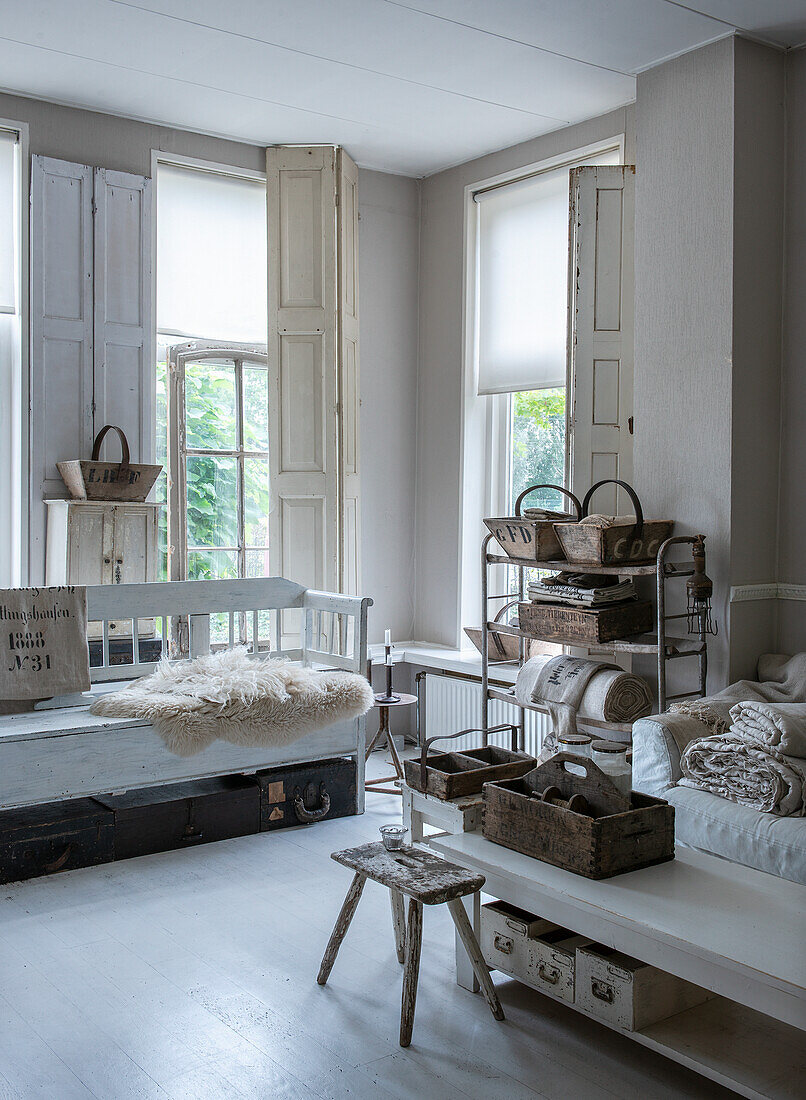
<point>124,444</point>
<point>631,493</point>
<point>462,733</point>
<point>560,489</point>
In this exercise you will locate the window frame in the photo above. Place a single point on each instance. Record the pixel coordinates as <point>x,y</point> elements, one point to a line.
<point>485,439</point>
<point>177,358</point>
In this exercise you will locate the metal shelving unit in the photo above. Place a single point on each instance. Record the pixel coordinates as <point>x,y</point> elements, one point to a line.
<point>666,647</point>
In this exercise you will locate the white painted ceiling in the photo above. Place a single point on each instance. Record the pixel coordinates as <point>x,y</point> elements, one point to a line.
<point>408,86</point>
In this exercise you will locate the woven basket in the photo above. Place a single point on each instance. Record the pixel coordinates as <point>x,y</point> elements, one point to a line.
<point>95,480</point>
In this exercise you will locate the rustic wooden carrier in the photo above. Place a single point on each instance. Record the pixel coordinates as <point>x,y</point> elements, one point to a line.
<point>536,539</point>
<point>627,543</point>
<point>585,626</point>
<point>617,835</point>
<point>96,480</point>
<point>447,775</point>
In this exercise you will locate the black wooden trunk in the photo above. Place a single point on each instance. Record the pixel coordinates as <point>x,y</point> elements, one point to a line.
<point>182,815</point>
<point>55,836</point>
<point>321,784</point>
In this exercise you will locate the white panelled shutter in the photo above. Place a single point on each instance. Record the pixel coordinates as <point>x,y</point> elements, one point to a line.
<point>601,331</point>
<point>61,332</point>
<point>91,321</point>
<point>313,367</point>
<point>349,392</point>
<point>122,344</point>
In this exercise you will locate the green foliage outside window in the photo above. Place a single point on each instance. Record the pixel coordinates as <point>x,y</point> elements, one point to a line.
<point>538,445</point>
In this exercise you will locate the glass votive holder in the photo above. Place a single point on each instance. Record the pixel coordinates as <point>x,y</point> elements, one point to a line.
<point>392,836</point>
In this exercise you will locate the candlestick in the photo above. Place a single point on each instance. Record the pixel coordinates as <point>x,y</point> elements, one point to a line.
<point>390,696</point>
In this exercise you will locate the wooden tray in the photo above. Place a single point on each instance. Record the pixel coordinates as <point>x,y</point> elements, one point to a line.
<point>616,837</point>
<point>448,775</point>
<point>532,539</point>
<point>628,542</point>
<point>572,625</point>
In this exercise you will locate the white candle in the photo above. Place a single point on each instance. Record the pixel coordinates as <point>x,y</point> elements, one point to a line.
<point>387,638</point>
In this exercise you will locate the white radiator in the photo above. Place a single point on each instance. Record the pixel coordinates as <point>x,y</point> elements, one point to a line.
<point>452,705</point>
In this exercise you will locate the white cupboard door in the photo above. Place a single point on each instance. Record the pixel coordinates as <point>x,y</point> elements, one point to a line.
<point>122,340</point>
<point>61,374</point>
<point>349,391</point>
<point>303,395</point>
<point>601,331</point>
<point>89,551</point>
<point>134,557</point>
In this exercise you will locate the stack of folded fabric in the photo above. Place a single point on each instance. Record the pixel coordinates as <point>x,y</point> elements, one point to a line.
<point>582,590</point>
<point>759,762</point>
<point>547,514</point>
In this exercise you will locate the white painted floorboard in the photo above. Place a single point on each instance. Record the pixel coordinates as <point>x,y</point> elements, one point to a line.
<point>192,975</point>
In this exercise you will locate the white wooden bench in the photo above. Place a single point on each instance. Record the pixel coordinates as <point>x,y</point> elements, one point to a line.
<point>59,750</point>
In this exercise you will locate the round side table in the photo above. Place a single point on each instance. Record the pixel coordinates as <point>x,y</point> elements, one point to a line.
<point>381,786</point>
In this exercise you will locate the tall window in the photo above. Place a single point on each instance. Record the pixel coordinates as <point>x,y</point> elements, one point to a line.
<point>212,390</point>
<point>11,398</point>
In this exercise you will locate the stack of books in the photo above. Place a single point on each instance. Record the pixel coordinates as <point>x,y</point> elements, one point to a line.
<point>582,590</point>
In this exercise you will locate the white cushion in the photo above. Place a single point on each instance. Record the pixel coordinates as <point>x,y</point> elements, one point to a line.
<point>657,743</point>
<point>717,825</point>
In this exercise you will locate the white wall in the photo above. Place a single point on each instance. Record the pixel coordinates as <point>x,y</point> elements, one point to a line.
<point>388,259</point>
<point>440,413</point>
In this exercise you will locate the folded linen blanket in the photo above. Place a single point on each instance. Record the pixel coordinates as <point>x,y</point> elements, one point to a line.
<point>609,694</point>
<point>574,595</point>
<point>237,698</point>
<point>779,727</point>
<point>734,769</point>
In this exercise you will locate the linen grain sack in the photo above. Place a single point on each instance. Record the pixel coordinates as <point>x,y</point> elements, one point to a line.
<point>43,642</point>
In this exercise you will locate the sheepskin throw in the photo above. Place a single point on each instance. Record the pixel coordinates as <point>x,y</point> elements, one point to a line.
<point>236,698</point>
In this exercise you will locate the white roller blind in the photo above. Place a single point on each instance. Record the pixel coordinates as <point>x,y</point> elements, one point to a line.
<point>211,255</point>
<point>522,273</point>
<point>8,222</point>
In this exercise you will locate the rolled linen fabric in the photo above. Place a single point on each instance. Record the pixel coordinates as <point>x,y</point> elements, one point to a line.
<point>731,768</point>
<point>612,695</point>
<point>779,727</point>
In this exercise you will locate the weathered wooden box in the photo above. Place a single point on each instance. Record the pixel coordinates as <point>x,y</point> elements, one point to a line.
<point>537,952</point>
<point>573,625</point>
<point>302,793</point>
<point>625,543</point>
<point>597,844</point>
<point>182,815</point>
<point>454,774</point>
<point>530,539</point>
<point>628,993</point>
<point>54,836</point>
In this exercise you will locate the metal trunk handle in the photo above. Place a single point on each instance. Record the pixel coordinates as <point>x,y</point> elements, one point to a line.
<point>602,991</point>
<point>306,816</point>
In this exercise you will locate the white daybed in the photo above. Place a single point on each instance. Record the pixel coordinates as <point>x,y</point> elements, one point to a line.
<point>59,750</point>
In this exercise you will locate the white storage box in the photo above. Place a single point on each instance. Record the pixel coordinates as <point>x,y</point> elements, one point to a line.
<point>552,962</point>
<point>627,993</point>
<point>506,937</point>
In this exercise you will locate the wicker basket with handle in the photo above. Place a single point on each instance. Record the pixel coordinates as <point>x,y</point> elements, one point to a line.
<point>92,479</point>
<point>628,541</point>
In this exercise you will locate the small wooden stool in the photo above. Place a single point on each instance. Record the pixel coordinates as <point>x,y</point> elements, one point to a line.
<point>426,879</point>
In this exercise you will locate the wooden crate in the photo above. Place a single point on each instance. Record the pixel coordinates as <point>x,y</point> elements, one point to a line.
<point>628,993</point>
<point>617,835</point>
<point>54,836</point>
<point>627,543</point>
<point>321,785</point>
<point>530,539</point>
<point>455,774</point>
<point>577,626</point>
<point>182,815</point>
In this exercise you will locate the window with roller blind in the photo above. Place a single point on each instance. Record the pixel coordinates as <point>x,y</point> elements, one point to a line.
<point>11,393</point>
<point>212,388</point>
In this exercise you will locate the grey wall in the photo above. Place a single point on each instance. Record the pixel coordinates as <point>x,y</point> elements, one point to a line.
<point>709,210</point>
<point>792,544</point>
<point>440,411</point>
<point>388,263</point>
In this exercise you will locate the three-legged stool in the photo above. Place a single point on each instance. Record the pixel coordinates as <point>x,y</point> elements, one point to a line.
<point>426,879</point>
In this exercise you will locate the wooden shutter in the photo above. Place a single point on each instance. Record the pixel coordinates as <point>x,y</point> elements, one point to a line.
<point>124,373</point>
<point>601,331</point>
<point>61,332</point>
<point>349,392</point>
<point>303,394</point>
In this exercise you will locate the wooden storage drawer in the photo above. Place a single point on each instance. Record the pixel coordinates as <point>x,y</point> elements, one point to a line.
<point>571,625</point>
<point>55,836</point>
<point>303,793</point>
<point>552,962</point>
<point>180,815</point>
<point>506,936</point>
<point>628,993</point>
